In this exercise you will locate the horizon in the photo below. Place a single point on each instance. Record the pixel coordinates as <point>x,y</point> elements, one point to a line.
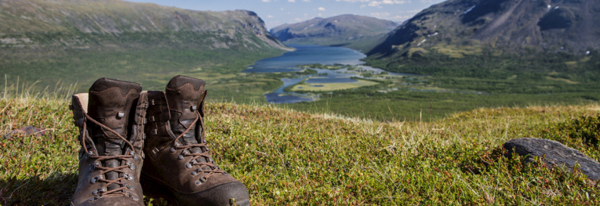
<point>279,12</point>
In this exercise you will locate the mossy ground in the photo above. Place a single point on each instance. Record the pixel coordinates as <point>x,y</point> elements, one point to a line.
<point>287,157</point>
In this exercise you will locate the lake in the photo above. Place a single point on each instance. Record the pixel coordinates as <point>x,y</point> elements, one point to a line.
<point>311,54</point>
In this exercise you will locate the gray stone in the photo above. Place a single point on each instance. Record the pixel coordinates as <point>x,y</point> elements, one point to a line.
<point>556,154</point>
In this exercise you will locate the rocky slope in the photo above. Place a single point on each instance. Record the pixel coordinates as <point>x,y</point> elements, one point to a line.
<point>338,30</point>
<point>116,23</point>
<point>466,26</point>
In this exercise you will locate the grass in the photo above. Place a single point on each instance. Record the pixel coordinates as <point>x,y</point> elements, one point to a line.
<point>322,87</point>
<point>286,157</point>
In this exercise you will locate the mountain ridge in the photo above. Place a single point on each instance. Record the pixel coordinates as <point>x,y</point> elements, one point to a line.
<point>72,19</point>
<point>505,25</point>
<point>344,30</point>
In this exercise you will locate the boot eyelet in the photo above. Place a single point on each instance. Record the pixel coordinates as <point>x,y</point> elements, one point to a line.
<point>193,108</point>
<point>198,182</point>
<point>100,177</point>
<point>130,178</point>
<point>102,189</point>
<point>131,153</point>
<point>95,192</point>
<point>93,180</point>
<point>132,167</point>
<point>186,152</point>
<point>203,179</point>
<point>134,198</point>
<point>180,157</point>
<point>130,188</point>
<point>135,157</point>
<point>188,166</point>
<point>193,161</point>
<point>172,150</point>
<point>194,173</point>
<point>176,144</point>
<point>120,115</point>
<point>90,153</point>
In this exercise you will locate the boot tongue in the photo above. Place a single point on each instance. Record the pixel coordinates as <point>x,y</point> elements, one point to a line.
<point>110,103</point>
<point>183,95</point>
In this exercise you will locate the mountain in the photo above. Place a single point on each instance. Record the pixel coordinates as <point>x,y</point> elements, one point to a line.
<point>84,23</point>
<point>346,30</point>
<point>78,41</point>
<point>458,27</point>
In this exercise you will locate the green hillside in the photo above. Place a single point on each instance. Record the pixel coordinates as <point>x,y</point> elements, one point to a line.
<point>78,41</point>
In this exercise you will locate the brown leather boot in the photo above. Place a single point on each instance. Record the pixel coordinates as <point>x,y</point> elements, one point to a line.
<point>179,167</point>
<point>111,122</point>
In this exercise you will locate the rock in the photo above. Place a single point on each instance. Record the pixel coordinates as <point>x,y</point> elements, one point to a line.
<point>26,131</point>
<point>556,154</point>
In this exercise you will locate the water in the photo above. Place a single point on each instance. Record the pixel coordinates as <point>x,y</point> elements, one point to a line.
<point>311,54</point>
<point>307,54</point>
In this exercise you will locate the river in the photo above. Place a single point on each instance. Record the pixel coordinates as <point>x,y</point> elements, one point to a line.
<point>311,54</point>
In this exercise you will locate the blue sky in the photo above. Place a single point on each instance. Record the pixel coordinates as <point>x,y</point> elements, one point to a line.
<point>278,12</point>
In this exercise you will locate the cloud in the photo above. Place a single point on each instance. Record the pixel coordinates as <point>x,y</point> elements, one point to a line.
<point>306,0</point>
<point>352,1</point>
<point>379,3</point>
<point>321,9</point>
<point>292,1</point>
<point>363,6</point>
<point>270,16</point>
<point>426,1</point>
<point>390,16</point>
<point>266,0</point>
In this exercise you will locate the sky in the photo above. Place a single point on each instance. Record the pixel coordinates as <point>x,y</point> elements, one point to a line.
<point>278,12</point>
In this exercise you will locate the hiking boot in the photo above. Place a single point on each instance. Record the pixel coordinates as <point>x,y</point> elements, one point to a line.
<point>179,166</point>
<point>111,124</point>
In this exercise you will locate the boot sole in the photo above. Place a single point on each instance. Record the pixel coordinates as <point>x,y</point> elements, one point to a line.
<point>156,190</point>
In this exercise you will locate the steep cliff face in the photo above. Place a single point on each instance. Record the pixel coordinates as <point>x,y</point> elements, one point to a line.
<point>338,30</point>
<point>82,23</point>
<point>505,25</point>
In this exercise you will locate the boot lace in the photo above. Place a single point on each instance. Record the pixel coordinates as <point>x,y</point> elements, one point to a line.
<point>120,169</point>
<point>210,163</point>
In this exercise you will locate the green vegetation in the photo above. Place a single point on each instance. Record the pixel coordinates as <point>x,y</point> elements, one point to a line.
<point>288,157</point>
<point>405,104</point>
<point>322,87</point>
<point>530,72</point>
<point>152,65</point>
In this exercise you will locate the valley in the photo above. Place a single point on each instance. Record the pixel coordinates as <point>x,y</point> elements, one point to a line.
<point>423,79</point>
